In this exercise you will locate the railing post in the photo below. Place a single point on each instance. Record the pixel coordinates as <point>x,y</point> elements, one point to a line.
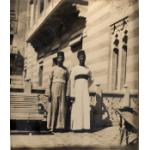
<point>126,99</point>
<point>28,87</point>
<point>98,89</point>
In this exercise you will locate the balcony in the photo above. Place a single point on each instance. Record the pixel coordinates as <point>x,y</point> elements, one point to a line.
<point>53,26</point>
<point>43,18</point>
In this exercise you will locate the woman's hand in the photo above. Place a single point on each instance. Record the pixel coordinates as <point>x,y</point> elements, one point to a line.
<point>72,99</point>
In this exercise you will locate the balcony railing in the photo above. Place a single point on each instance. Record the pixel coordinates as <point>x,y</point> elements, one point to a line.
<point>43,17</point>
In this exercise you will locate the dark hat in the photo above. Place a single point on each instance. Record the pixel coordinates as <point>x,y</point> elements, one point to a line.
<point>81,52</point>
<point>60,54</point>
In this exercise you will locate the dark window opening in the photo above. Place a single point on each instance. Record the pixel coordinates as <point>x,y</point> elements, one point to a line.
<point>25,73</point>
<point>77,46</point>
<point>54,61</point>
<point>16,64</point>
<point>124,58</point>
<point>40,75</point>
<point>11,38</point>
<point>124,66</point>
<point>115,67</point>
<point>41,6</point>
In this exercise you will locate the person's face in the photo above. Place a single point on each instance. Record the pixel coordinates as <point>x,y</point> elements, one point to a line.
<point>82,59</point>
<point>60,59</point>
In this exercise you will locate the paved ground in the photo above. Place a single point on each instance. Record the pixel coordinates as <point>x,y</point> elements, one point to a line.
<point>107,138</point>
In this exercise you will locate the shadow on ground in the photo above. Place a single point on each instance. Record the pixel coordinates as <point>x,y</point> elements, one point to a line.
<point>131,147</point>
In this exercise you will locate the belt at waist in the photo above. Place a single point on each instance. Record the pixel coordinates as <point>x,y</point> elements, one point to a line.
<point>82,76</point>
<point>59,80</point>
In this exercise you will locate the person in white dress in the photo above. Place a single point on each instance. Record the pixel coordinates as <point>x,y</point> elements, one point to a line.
<point>80,81</point>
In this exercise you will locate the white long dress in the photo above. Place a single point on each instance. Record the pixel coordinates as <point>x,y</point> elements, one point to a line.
<point>80,114</point>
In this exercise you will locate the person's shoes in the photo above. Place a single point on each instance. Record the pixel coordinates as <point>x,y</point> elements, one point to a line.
<point>50,131</point>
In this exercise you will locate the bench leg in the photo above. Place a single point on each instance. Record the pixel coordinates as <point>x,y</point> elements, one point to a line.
<point>127,137</point>
<point>122,135</point>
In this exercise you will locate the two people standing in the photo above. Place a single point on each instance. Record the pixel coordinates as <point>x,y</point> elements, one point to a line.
<point>79,81</point>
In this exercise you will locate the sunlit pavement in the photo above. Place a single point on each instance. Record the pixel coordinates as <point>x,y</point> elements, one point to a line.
<point>107,138</point>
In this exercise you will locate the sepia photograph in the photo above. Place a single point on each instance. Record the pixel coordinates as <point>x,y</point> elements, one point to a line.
<point>74,74</point>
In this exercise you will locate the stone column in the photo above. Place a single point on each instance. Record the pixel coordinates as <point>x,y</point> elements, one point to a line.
<point>126,98</point>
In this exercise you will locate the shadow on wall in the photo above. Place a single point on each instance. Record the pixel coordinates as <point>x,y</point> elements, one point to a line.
<point>100,117</point>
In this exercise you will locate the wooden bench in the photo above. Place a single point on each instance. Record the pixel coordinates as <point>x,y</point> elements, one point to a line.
<point>24,107</point>
<point>128,122</point>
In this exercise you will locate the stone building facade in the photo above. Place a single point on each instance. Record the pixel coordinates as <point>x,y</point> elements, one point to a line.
<point>108,32</point>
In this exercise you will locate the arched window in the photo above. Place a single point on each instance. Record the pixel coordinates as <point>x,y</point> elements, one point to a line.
<point>119,49</point>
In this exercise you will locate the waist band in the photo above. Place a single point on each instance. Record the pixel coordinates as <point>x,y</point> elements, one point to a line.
<point>82,76</point>
<point>59,80</point>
